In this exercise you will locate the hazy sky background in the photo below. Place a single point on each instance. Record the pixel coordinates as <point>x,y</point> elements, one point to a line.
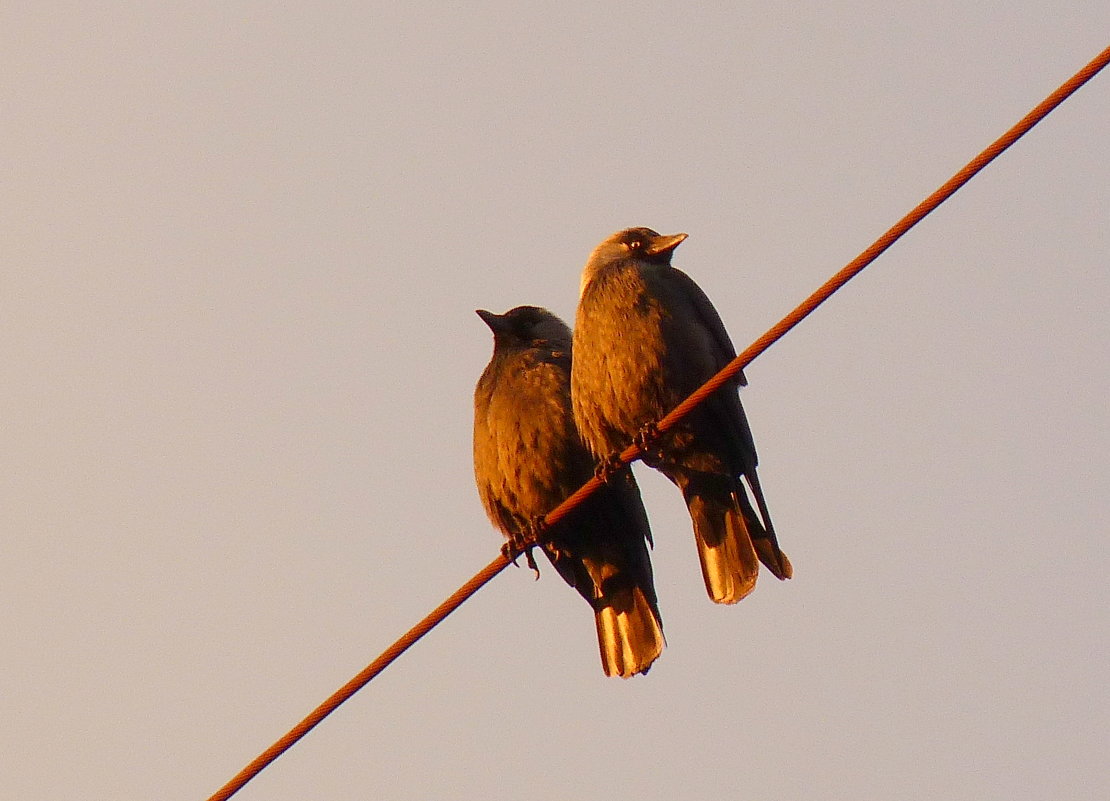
<point>241,247</point>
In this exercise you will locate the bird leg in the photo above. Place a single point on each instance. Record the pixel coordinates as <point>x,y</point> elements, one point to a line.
<point>537,535</point>
<point>522,543</point>
<point>516,546</point>
<point>647,440</point>
<point>609,467</point>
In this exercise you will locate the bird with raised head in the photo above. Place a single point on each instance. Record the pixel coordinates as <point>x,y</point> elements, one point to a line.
<point>646,336</point>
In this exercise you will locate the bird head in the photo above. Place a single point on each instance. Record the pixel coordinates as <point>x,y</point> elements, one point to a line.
<point>526,325</point>
<point>640,244</point>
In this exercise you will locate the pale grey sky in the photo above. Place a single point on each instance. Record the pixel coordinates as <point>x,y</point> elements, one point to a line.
<point>241,248</point>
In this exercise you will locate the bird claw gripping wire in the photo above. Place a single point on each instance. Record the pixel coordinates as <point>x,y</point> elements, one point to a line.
<point>647,439</point>
<point>519,543</point>
<point>608,467</point>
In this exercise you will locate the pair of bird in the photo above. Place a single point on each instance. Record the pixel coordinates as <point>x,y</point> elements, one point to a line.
<point>645,337</point>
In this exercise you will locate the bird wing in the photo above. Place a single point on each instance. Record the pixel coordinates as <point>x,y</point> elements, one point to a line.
<point>725,406</point>
<point>723,351</point>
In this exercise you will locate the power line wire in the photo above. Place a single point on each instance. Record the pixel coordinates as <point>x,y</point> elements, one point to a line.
<point>632,452</point>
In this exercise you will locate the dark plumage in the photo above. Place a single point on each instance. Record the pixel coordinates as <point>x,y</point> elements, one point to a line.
<point>528,458</point>
<point>645,337</point>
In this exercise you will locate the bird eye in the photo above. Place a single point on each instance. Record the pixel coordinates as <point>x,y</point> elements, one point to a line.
<point>634,244</point>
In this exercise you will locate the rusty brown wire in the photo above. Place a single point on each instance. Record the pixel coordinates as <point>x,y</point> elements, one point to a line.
<point>632,452</point>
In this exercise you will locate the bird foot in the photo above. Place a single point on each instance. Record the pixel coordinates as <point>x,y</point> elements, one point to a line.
<point>518,544</point>
<point>608,467</point>
<point>647,440</point>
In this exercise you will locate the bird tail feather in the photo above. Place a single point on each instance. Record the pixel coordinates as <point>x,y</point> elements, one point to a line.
<point>763,536</point>
<point>729,563</point>
<point>629,633</point>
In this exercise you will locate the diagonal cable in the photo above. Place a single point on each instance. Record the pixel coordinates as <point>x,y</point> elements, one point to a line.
<point>632,452</point>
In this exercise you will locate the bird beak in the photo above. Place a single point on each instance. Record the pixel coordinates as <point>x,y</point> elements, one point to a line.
<point>494,321</point>
<point>664,244</point>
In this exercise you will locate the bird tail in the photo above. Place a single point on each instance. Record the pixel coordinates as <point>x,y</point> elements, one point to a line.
<point>603,553</point>
<point>629,632</point>
<point>731,538</point>
<point>763,536</point>
<point>617,581</point>
<point>729,563</point>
